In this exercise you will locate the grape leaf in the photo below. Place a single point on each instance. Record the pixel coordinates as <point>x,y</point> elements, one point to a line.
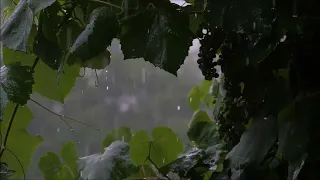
<point>114,163</point>
<point>46,84</point>
<point>45,43</point>
<point>194,97</point>
<point>70,156</point>
<point>159,35</point>
<point>255,142</point>
<point>17,81</point>
<point>27,144</point>
<point>202,130</point>
<point>164,147</point>
<point>295,125</point>
<point>98,34</point>
<point>50,165</point>
<point>16,30</point>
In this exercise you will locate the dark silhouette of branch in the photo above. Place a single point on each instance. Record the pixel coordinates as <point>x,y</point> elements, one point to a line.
<point>9,128</point>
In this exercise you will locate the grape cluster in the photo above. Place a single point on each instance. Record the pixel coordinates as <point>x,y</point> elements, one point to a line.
<point>210,40</point>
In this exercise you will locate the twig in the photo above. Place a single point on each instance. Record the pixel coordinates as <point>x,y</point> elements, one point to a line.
<point>97,81</point>
<point>63,116</point>
<point>107,3</point>
<point>24,174</point>
<point>8,129</point>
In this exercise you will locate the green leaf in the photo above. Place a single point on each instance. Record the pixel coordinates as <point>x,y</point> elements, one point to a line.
<point>17,81</point>
<point>114,163</point>
<point>295,126</point>
<point>164,147</point>
<point>46,84</point>
<point>155,34</point>
<point>103,27</point>
<point>202,130</point>
<point>70,156</point>
<point>45,43</point>
<point>16,30</point>
<point>50,166</point>
<point>200,116</point>
<point>255,142</point>
<point>121,134</point>
<point>194,97</point>
<point>23,149</point>
<point>195,21</point>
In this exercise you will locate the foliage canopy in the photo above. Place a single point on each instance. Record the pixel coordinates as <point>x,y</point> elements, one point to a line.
<point>265,106</point>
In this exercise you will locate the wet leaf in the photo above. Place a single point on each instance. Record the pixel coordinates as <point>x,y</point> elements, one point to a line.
<point>70,156</point>
<point>16,30</point>
<point>194,97</point>
<point>17,81</point>
<point>46,84</point>
<point>254,143</point>
<point>155,35</point>
<point>97,36</point>
<point>50,165</point>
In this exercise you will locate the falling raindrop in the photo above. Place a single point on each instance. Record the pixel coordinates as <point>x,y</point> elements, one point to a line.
<point>58,129</point>
<point>122,138</point>
<point>79,142</point>
<point>164,159</point>
<point>106,78</point>
<point>283,38</point>
<point>254,25</point>
<point>178,108</point>
<point>107,88</point>
<point>82,91</point>
<point>190,99</point>
<point>204,31</point>
<point>106,71</point>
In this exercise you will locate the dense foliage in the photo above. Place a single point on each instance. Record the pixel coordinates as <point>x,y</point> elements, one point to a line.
<point>265,104</point>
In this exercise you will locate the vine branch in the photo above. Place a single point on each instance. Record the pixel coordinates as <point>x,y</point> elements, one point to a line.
<point>3,146</point>
<point>66,117</point>
<point>107,3</point>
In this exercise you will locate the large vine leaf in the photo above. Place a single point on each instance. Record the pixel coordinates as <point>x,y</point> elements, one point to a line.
<point>16,30</point>
<point>121,134</point>
<point>202,131</point>
<point>46,84</point>
<point>163,149</point>
<point>295,124</point>
<point>17,81</point>
<point>254,143</point>
<point>45,43</point>
<point>50,165</point>
<point>114,163</point>
<point>194,98</point>
<point>98,34</point>
<point>70,156</point>
<point>160,35</point>
<point>24,148</point>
